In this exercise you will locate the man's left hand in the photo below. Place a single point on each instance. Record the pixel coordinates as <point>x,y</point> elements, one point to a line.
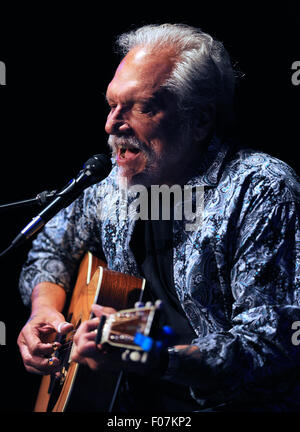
<point>85,350</point>
<point>106,357</point>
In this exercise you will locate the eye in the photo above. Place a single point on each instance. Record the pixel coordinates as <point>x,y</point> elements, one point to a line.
<point>148,109</point>
<point>112,106</point>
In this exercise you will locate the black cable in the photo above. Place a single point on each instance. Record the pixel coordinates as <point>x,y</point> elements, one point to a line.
<point>6,250</point>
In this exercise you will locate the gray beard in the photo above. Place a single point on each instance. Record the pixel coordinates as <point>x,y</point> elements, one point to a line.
<point>159,169</point>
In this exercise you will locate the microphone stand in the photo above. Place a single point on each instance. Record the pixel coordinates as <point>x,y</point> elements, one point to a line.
<point>94,170</point>
<point>41,199</point>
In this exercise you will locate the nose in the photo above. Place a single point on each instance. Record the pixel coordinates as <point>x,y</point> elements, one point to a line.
<point>116,124</point>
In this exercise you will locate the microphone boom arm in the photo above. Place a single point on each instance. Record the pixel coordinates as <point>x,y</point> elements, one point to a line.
<point>41,199</point>
<point>95,170</point>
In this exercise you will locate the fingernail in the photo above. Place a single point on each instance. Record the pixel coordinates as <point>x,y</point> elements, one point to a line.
<point>61,325</point>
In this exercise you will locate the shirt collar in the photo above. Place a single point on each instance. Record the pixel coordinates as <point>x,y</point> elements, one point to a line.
<point>211,164</point>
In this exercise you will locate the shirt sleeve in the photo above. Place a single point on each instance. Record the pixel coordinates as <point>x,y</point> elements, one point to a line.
<point>58,249</point>
<point>256,358</point>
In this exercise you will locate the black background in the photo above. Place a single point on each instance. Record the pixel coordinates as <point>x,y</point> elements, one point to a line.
<point>59,61</point>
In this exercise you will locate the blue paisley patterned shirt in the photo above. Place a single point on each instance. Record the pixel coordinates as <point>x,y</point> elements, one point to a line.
<point>237,276</point>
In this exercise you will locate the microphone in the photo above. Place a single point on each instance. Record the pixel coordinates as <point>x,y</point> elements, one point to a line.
<point>94,170</point>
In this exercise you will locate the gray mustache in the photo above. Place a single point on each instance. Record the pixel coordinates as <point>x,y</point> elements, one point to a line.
<point>116,142</point>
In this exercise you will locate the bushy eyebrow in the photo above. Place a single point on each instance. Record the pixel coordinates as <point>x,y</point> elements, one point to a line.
<point>155,98</point>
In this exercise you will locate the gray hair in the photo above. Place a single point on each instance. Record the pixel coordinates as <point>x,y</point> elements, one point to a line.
<point>202,77</point>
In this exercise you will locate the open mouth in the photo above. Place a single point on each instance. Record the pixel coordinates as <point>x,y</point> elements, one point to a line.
<point>134,150</point>
<point>126,154</point>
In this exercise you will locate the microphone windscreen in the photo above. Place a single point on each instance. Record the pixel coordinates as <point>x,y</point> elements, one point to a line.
<point>99,166</point>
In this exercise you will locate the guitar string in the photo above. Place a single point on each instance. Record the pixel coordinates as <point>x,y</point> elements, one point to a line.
<point>66,345</point>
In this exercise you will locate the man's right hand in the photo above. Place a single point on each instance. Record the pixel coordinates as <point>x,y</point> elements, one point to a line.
<point>34,340</point>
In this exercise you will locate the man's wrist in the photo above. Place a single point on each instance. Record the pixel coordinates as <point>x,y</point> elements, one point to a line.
<point>172,366</point>
<point>47,295</point>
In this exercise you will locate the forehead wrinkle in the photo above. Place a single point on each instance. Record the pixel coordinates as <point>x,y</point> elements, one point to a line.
<point>143,71</point>
<point>130,92</point>
<point>123,95</point>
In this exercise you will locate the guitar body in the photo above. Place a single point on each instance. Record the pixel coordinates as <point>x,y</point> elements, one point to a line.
<point>78,388</point>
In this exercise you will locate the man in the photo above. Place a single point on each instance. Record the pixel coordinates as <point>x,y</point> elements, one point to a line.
<point>230,286</point>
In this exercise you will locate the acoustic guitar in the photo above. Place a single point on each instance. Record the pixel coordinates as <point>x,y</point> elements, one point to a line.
<point>76,387</point>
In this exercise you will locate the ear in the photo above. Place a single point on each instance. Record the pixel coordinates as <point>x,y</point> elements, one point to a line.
<point>204,123</point>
